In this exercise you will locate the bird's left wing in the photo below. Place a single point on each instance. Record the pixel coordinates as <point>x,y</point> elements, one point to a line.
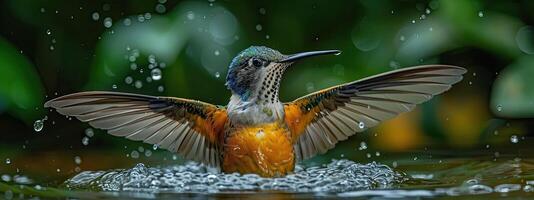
<point>319,120</point>
<point>190,128</point>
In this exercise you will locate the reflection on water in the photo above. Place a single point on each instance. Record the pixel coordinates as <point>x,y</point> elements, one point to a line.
<point>337,176</point>
<point>461,176</point>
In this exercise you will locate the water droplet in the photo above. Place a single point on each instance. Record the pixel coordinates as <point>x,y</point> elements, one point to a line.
<point>148,153</point>
<point>217,74</point>
<point>259,27</point>
<point>148,16</point>
<point>42,10</point>
<point>134,154</point>
<point>413,21</point>
<point>155,147</point>
<point>427,11</point>
<point>108,22</point>
<point>138,84</point>
<point>160,8</point>
<point>95,16</point>
<point>262,11</point>
<point>216,52</point>
<point>504,188</point>
<point>377,153</point>
<point>85,141</point>
<point>190,15</point>
<point>48,31</point>
<point>128,80</point>
<point>525,39</point>
<point>368,155</point>
<point>402,38</point>
<point>156,74</point>
<point>8,161</point>
<point>8,194</point>
<point>514,139</point>
<point>39,124</point>
<point>133,66</point>
<point>528,188</point>
<point>480,14</point>
<point>161,88</point>
<point>6,178</point>
<point>140,18</point>
<point>363,146</point>
<point>127,22</point>
<point>106,7</point>
<point>89,132</point>
<point>77,160</point>
<point>499,107</point>
<point>152,59</point>
<point>361,125</point>
<point>114,86</point>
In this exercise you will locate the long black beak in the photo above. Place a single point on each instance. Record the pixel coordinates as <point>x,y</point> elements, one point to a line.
<point>298,56</point>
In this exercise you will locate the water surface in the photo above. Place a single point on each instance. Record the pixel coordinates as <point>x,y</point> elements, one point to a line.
<point>427,174</point>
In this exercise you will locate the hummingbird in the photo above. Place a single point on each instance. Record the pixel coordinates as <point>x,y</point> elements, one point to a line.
<point>256,132</point>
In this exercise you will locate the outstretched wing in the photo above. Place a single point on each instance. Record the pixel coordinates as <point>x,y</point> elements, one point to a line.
<point>319,120</point>
<point>190,128</point>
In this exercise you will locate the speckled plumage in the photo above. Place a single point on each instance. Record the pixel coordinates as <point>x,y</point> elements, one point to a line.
<point>237,79</point>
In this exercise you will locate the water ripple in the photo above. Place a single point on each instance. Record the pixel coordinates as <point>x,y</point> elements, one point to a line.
<point>337,176</point>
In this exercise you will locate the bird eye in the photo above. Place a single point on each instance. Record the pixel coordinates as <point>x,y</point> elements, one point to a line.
<point>257,62</point>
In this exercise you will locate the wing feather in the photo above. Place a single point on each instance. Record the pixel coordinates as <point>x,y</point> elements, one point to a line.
<point>190,128</point>
<point>338,112</point>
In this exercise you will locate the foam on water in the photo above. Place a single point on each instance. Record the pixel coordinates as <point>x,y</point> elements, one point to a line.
<point>337,176</point>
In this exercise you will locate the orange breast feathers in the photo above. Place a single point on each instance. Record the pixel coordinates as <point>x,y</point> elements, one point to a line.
<point>265,149</point>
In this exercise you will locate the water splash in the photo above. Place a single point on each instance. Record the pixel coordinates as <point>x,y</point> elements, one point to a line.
<point>337,176</point>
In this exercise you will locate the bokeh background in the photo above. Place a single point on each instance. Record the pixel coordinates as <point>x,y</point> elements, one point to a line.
<point>183,48</point>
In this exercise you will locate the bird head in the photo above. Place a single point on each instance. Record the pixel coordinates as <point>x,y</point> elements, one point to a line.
<point>255,73</point>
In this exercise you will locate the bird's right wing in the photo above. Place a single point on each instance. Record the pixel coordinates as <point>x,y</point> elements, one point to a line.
<point>190,128</point>
<point>319,120</point>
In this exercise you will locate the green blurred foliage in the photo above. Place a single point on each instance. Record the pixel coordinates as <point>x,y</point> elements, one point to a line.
<point>21,90</point>
<point>115,45</point>
<point>513,90</point>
